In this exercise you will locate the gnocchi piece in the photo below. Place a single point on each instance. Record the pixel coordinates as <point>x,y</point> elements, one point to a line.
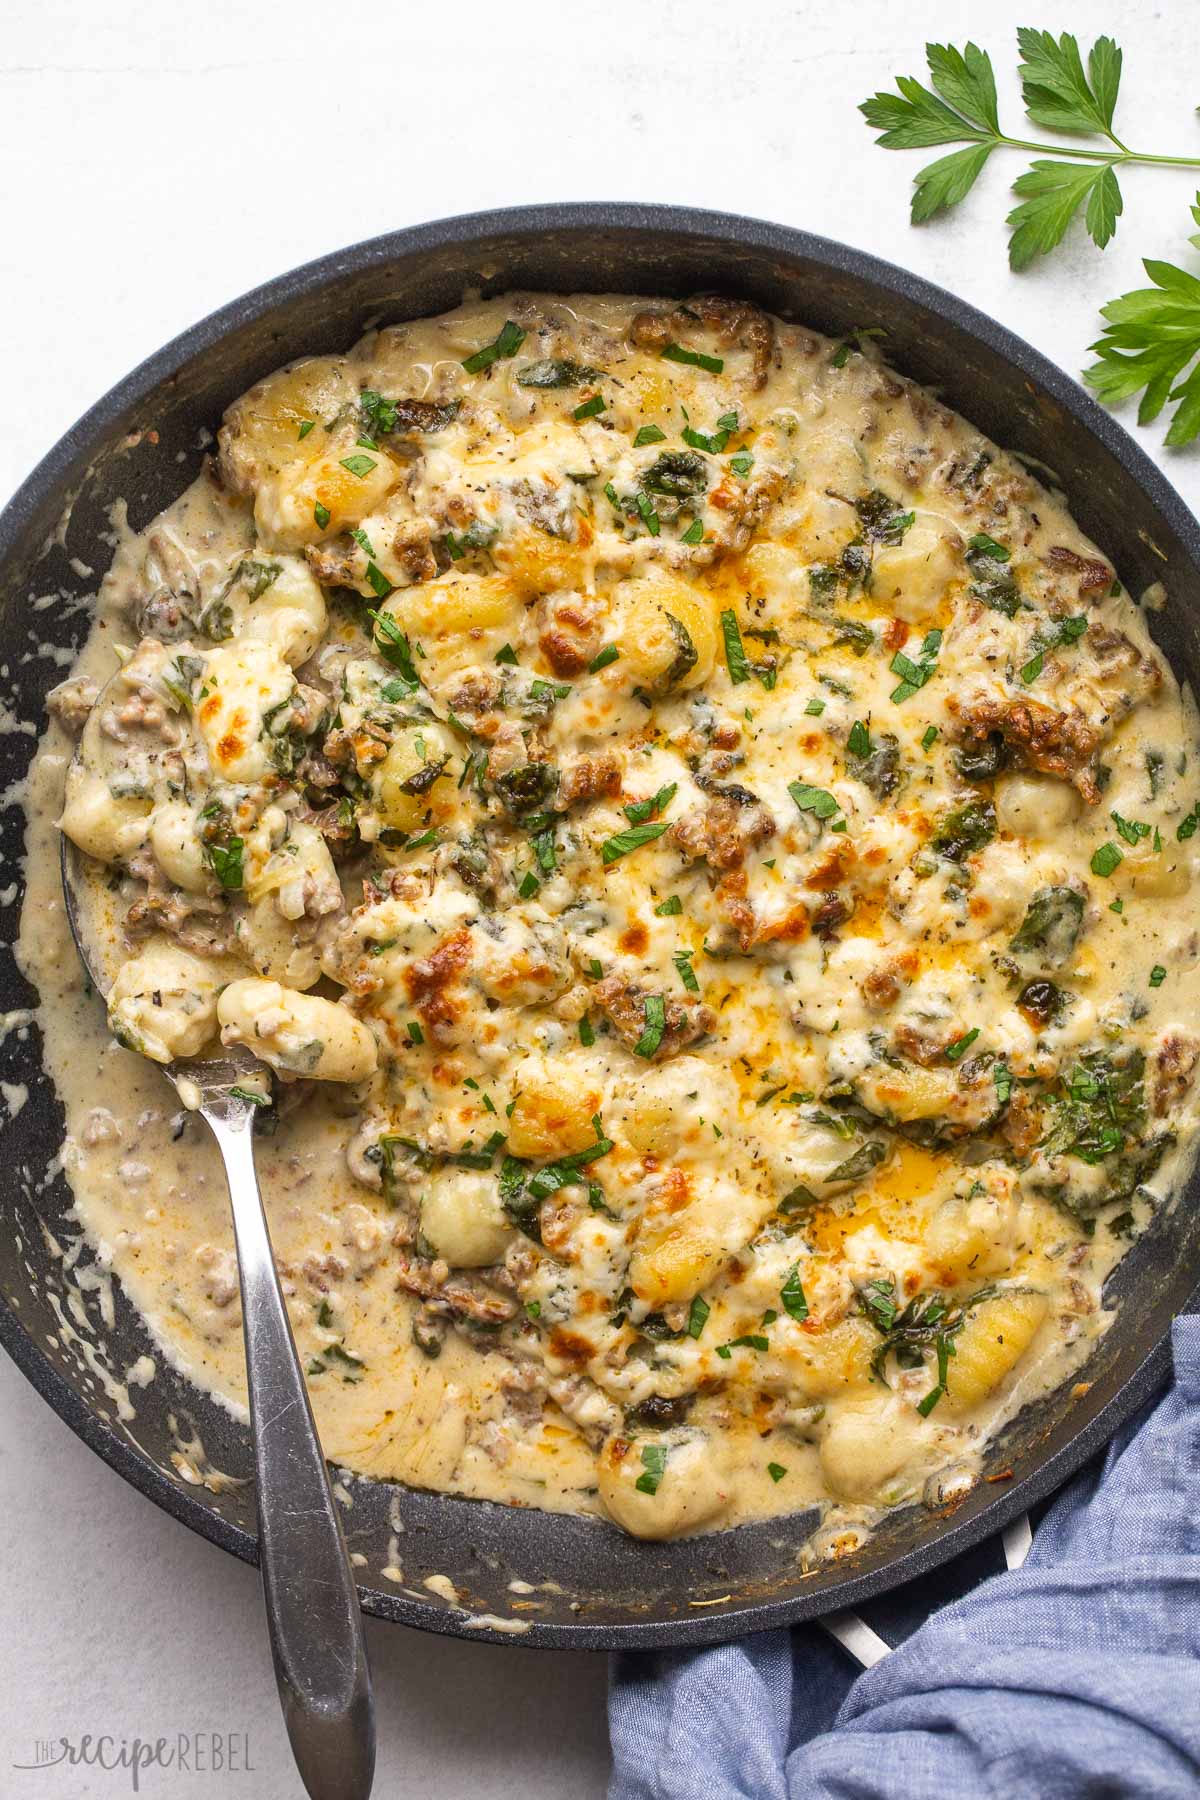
<point>907,1093</point>
<point>296,1034</point>
<point>822,1365</point>
<point>163,1002</point>
<point>666,632</point>
<point>104,825</point>
<point>553,1111</point>
<point>415,777</point>
<point>684,1484</point>
<point>277,947</point>
<point>995,1337</point>
<point>265,430</point>
<point>970,1237</point>
<point>1166,875</point>
<point>462,1218</point>
<point>1036,806</point>
<point>298,872</point>
<point>310,501</point>
<point>244,682</point>
<point>662,1113</point>
<point>539,562</point>
<point>456,606</point>
<point>177,847</point>
<point>277,601</point>
<point>864,1447</point>
<point>913,575</point>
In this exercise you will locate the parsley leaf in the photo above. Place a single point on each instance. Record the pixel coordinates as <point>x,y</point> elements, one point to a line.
<point>1051,194</point>
<point>507,344</point>
<point>613,848</point>
<point>654,1009</point>
<point>737,662</point>
<point>792,1295</point>
<point>1151,336</point>
<point>1060,94</point>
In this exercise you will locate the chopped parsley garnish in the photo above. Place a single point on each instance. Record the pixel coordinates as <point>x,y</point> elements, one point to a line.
<point>1132,830</point>
<point>736,660</point>
<point>507,344</point>
<point>415,1033</point>
<point>589,408</point>
<point>694,533</point>
<point>750,1342</point>
<point>1157,975</point>
<point>602,658</point>
<point>649,434</point>
<point>587,1036</point>
<point>697,1316</point>
<point>359,466</point>
<point>1002,1080</point>
<point>529,885</point>
<point>914,675</point>
<point>1105,859</point>
<point>683,963</point>
<point>813,800</point>
<point>930,737</point>
<point>670,908</point>
<point>961,1045</point>
<point>225,861</point>
<point>322,515</point>
<point>776,1471</point>
<point>543,850</point>
<point>654,1462</point>
<point>394,647</point>
<point>859,741</point>
<point>648,515</point>
<point>306,426</point>
<point>1187,825</point>
<point>727,424</point>
<point>638,811</point>
<point>613,848</point>
<point>815,708</point>
<point>654,1009</point>
<point>742,463</point>
<point>695,358</point>
<point>378,580</point>
<point>255,1099</point>
<point>506,654</point>
<point>1068,631</point>
<point>984,545</point>
<point>792,1294</point>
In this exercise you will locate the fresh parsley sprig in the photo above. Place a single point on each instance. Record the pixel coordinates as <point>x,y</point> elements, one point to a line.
<point>1151,337</point>
<point>1060,95</point>
<point>1150,344</point>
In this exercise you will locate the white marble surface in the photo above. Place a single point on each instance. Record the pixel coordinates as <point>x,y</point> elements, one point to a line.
<point>158,161</point>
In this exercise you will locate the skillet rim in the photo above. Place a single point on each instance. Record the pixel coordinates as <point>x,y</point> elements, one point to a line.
<point>65,462</point>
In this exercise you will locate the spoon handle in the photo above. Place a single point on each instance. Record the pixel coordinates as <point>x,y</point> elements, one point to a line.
<point>313,1614</point>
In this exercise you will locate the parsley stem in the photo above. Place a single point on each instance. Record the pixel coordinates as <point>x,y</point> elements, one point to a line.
<point>1094,156</point>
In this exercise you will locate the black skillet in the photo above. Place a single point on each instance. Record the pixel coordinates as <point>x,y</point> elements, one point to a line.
<point>606,1590</point>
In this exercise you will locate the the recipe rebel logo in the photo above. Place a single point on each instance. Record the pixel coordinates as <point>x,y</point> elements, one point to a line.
<point>220,1753</point>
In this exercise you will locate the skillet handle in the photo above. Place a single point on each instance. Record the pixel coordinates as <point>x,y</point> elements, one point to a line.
<point>313,1615</point>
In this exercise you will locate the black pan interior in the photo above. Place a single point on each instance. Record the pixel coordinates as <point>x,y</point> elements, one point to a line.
<point>142,443</point>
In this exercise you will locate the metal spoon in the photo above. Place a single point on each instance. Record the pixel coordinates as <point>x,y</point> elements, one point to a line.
<point>313,1615</point>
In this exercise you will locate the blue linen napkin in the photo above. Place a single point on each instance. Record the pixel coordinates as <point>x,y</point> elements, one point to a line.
<point>1077,1675</point>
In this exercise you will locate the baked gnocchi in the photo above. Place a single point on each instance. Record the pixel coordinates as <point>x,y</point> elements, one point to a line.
<point>701,846</point>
